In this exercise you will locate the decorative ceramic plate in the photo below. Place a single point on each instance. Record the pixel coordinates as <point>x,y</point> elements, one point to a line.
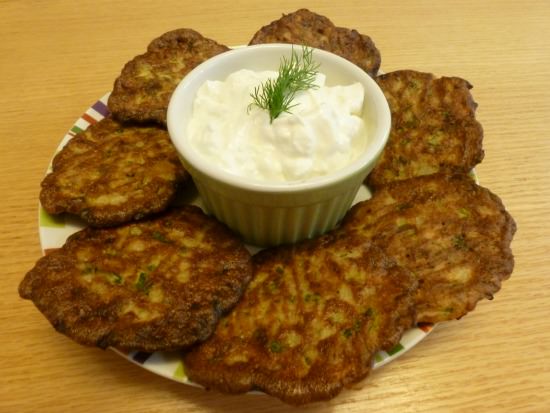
<point>54,230</point>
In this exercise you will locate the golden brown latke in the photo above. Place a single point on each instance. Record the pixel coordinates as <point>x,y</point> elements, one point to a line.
<point>158,284</point>
<point>310,321</point>
<point>453,234</point>
<point>110,174</point>
<point>310,29</point>
<point>433,127</point>
<point>142,91</point>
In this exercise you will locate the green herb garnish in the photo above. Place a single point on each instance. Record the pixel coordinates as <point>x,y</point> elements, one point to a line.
<point>142,283</point>
<point>160,237</point>
<point>275,347</point>
<point>295,74</point>
<point>459,242</point>
<point>347,333</point>
<point>114,278</point>
<point>463,213</point>
<point>312,297</point>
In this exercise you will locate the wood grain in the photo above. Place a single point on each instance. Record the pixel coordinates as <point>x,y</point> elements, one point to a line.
<point>58,57</point>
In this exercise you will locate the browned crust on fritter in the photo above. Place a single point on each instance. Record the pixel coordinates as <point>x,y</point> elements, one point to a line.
<point>310,29</point>
<point>110,174</point>
<point>155,285</point>
<point>433,127</point>
<point>310,322</point>
<point>453,234</point>
<point>142,91</point>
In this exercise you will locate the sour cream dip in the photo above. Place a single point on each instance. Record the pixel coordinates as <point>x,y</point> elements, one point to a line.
<point>324,131</point>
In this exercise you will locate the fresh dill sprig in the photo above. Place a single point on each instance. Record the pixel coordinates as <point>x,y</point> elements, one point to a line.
<point>295,74</point>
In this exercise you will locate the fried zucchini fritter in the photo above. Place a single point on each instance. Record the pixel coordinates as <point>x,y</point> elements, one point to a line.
<point>142,91</point>
<point>433,127</point>
<point>158,284</point>
<point>310,322</point>
<point>310,29</point>
<point>110,174</point>
<point>453,234</point>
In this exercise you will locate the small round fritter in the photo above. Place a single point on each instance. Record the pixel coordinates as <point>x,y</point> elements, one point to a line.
<point>310,322</point>
<point>433,127</point>
<point>453,234</point>
<point>110,174</point>
<point>310,29</point>
<point>142,91</point>
<point>155,285</point>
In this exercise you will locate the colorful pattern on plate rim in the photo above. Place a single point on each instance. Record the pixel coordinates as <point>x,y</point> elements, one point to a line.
<point>54,230</point>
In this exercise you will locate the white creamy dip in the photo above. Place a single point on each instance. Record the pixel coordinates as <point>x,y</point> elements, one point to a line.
<point>324,131</point>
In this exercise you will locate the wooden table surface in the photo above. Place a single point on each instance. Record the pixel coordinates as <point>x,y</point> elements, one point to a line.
<point>58,57</point>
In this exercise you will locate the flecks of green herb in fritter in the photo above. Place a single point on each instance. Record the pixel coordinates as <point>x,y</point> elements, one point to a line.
<point>275,346</point>
<point>142,283</point>
<point>160,237</point>
<point>459,242</point>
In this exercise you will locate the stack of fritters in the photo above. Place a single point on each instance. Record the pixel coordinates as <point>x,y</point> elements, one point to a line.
<point>453,234</point>
<point>310,322</point>
<point>427,247</point>
<point>113,173</point>
<point>125,168</point>
<point>304,27</point>
<point>315,313</point>
<point>157,284</point>
<point>149,285</point>
<point>142,91</point>
<point>433,127</point>
<point>450,237</point>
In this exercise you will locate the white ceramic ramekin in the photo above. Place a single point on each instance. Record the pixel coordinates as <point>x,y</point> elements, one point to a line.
<point>276,213</point>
